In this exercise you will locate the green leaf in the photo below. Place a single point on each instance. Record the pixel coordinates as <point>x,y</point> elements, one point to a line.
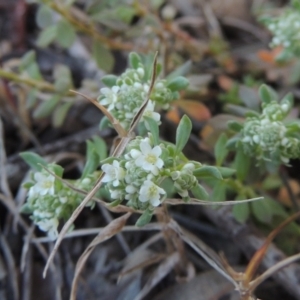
<point>125,13</point>
<point>267,94</point>
<point>288,98</point>
<point>57,169</point>
<point>101,147</point>
<point>180,71</point>
<point>231,144</point>
<point>220,149</point>
<point>208,172</point>
<point>33,160</point>
<point>47,36</point>
<point>235,126</point>
<point>199,192</point>
<point>34,71</point>
<point>241,164</point>
<point>153,127</point>
<point>249,97</point>
<point>44,16</point>
<point>66,34</point>
<point>104,123</point>
<point>261,211</point>
<point>92,160</point>
<point>60,113</point>
<point>109,80</point>
<point>178,83</point>
<point>241,212</point>
<point>27,59</point>
<point>183,133</point>
<point>45,108</point>
<point>29,64</point>
<point>31,98</point>
<point>271,182</point>
<point>226,172</point>
<point>219,191</point>
<point>145,218</point>
<point>62,79</point>
<point>103,57</point>
<point>115,203</point>
<point>134,60</point>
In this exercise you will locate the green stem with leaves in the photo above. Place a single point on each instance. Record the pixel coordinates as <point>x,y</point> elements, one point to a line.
<point>38,84</point>
<point>87,27</point>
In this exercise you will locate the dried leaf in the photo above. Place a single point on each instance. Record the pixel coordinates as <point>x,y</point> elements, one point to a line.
<point>225,82</point>
<point>194,109</point>
<point>163,269</point>
<point>283,195</point>
<point>109,231</point>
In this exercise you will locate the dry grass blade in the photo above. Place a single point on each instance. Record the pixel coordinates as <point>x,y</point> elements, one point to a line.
<point>163,269</point>
<point>11,266</point>
<point>260,253</point>
<point>92,231</point>
<point>282,264</point>
<point>139,114</point>
<point>109,231</point>
<point>194,201</point>
<point>204,251</point>
<point>118,127</point>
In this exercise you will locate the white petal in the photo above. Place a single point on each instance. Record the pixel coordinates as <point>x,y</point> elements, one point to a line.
<point>145,148</point>
<point>156,151</point>
<point>135,153</point>
<point>155,201</point>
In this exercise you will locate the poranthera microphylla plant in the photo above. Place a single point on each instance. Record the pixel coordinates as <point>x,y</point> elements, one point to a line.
<point>269,137</point>
<point>137,175</point>
<point>285,30</point>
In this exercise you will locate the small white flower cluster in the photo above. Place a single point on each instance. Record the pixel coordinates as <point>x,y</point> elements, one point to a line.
<point>136,177</point>
<point>286,30</point>
<point>125,96</point>
<point>267,136</point>
<point>49,201</point>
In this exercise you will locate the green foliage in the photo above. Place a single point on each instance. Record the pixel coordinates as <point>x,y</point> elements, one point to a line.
<point>183,133</point>
<point>220,149</point>
<point>102,56</point>
<point>145,218</point>
<point>33,160</point>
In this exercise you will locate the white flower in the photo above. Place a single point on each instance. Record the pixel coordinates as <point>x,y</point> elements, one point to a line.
<point>113,173</point>
<point>49,226</point>
<point>148,158</point>
<point>151,192</point>
<point>149,112</point>
<point>110,96</point>
<point>44,185</point>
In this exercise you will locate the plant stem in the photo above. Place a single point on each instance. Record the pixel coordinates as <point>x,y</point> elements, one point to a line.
<point>39,84</point>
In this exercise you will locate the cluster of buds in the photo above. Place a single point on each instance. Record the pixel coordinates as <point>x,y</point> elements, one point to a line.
<point>125,94</point>
<point>285,30</point>
<point>50,201</point>
<point>138,175</point>
<point>267,136</point>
